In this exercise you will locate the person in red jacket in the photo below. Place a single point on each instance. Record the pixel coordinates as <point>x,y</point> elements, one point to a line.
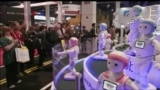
<point>17,34</point>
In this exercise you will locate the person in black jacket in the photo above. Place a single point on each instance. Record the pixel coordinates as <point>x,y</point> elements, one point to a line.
<point>52,37</point>
<point>93,30</point>
<point>30,43</point>
<point>41,45</point>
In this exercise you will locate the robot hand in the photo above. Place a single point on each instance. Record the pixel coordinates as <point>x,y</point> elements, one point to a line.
<point>157,65</point>
<point>157,62</point>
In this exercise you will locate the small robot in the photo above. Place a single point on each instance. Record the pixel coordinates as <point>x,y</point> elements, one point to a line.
<point>73,52</point>
<point>114,78</point>
<point>136,17</point>
<point>147,50</point>
<point>104,39</point>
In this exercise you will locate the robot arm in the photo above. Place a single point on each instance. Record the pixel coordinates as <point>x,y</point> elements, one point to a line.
<point>156,44</point>
<point>130,85</point>
<point>65,52</point>
<point>99,83</point>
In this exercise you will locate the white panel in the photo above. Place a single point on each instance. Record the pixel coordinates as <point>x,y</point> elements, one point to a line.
<point>47,11</point>
<point>88,10</point>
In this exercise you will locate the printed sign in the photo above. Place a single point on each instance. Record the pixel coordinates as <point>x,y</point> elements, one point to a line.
<point>107,85</point>
<point>139,44</point>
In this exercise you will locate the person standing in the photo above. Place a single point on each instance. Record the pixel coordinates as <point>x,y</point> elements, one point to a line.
<point>41,35</point>
<point>17,34</point>
<point>9,44</point>
<point>94,37</point>
<point>31,44</point>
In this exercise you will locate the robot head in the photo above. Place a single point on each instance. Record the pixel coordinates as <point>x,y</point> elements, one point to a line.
<point>147,26</point>
<point>117,61</point>
<point>136,10</point>
<point>73,42</point>
<point>102,27</point>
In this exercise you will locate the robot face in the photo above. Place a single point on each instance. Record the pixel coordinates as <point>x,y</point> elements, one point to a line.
<point>115,65</point>
<point>145,28</point>
<point>73,42</point>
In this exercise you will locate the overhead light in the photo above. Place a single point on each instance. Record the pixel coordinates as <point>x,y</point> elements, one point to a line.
<point>36,4</point>
<point>68,18</point>
<point>112,10</point>
<point>108,5</point>
<point>56,12</point>
<point>70,2</point>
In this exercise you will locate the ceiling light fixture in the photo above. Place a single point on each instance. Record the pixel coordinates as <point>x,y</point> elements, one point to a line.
<point>37,4</point>
<point>70,2</point>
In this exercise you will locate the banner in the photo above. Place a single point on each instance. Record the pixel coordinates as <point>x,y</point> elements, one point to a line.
<point>8,14</point>
<point>70,9</point>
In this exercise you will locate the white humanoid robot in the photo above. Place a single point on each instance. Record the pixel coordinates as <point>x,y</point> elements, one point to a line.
<point>136,17</point>
<point>114,78</point>
<point>147,50</point>
<point>103,39</point>
<point>104,42</point>
<point>73,52</point>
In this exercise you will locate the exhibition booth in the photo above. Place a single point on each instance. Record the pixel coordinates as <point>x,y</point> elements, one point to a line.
<point>91,68</point>
<point>85,73</point>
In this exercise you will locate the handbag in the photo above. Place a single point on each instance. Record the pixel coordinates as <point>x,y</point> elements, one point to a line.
<point>22,54</point>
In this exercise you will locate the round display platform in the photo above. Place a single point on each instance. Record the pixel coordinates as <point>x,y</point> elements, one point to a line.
<point>95,68</point>
<point>63,84</point>
<point>90,69</point>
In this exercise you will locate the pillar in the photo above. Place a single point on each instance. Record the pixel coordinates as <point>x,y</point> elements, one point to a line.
<point>88,13</point>
<point>117,13</point>
<point>27,14</point>
<point>88,16</point>
<point>59,18</point>
<point>47,13</point>
<point>119,24</point>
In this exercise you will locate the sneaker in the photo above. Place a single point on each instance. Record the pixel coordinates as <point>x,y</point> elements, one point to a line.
<point>12,86</point>
<point>19,81</point>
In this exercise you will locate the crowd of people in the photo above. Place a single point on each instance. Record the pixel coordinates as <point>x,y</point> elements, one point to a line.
<point>42,38</point>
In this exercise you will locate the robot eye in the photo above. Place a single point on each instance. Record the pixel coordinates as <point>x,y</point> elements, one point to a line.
<point>145,26</point>
<point>116,64</point>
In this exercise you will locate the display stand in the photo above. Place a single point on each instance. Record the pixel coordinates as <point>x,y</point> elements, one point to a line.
<point>69,76</point>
